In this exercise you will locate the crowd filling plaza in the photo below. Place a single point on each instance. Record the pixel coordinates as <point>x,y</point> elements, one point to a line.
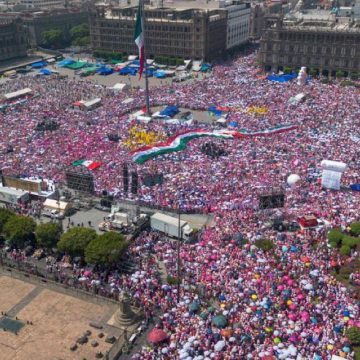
<point>250,302</point>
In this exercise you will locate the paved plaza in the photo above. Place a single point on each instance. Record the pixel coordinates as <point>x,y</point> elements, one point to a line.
<point>57,321</point>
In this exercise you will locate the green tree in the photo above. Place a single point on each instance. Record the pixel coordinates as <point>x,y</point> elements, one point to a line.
<point>83,41</point>
<point>19,229</point>
<point>47,235</point>
<point>345,250</point>
<point>80,35</point>
<point>264,244</point>
<point>354,75</point>
<point>5,215</point>
<point>79,31</point>
<point>313,72</point>
<point>106,249</point>
<point>355,228</point>
<point>53,37</point>
<point>353,334</point>
<point>75,240</point>
<point>287,70</point>
<point>335,236</point>
<point>340,74</point>
<point>350,241</point>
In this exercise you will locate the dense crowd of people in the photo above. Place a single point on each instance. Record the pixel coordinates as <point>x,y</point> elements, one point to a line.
<point>282,304</point>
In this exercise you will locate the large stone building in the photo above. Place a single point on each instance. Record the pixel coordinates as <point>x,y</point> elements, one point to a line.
<point>200,30</point>
<point>325,43</point>
<point>238,22</point>
<point>62,19</point>
<point>42,4</point>
<point>13,40</point>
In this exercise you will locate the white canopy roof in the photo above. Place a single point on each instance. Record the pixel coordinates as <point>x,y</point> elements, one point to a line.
<point>333,165</point>
<point>120,86</point>
<point>55,205</point>
<point>16,94</point>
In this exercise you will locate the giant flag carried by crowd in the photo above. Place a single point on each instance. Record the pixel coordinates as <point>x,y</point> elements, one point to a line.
<point>178,142</point>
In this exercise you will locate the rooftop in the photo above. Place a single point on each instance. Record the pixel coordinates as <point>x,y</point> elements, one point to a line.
<point>178,5</point>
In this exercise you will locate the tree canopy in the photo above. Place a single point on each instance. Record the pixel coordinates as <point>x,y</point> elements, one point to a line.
<point>19,230</point>
<point>5,215</point>
<point>106,249</point>
<point>75,240</point>
<point>355,228</point>
<point>80,35</point>
<point>47,235</point>
<point>53,37</point>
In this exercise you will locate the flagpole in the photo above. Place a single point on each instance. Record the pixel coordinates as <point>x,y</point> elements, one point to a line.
<point>142,2</point>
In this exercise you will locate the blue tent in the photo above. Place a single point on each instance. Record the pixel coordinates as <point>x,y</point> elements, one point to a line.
<point>104,70</point>
<point>355,187</point>
<point>65,62</point>
<point>205,67</point>
<point>150,72</point>
<point>233,124</point>
<point>160,74</point>
<point>128,71</point>
<point>45,71</point>
<point>136,62</point>
<point>170,111</point>
<point>38,65</point>
<point>281,78</point>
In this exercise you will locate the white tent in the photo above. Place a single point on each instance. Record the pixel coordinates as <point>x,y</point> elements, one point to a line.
<point>16,94</point>
<point>143,118</point>
<point>297,99</point>
<point>51,204</point>
<point>331,175</point>
<point>128,100</point>
<point>92,104</point>
<point>118,87</point>
<point>221,121</point>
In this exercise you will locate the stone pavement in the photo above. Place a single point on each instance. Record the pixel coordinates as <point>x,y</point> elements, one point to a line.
<point>26,300</point>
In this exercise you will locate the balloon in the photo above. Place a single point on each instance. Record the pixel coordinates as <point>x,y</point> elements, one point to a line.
<point>254,296</point>
<point>277,340</point>
<point>289,302</point>
<point>292,179</point>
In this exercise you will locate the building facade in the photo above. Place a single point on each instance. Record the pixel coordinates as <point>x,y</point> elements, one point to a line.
<point>13,40</point>
<point>238,23</point>
<point>186,33</point>
<point>42,4</point>
<point>326,49</point>
<point>64,20</point>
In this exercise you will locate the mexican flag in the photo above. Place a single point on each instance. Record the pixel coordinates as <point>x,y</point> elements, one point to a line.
<point>91,165</point>
<point>139,38</point>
